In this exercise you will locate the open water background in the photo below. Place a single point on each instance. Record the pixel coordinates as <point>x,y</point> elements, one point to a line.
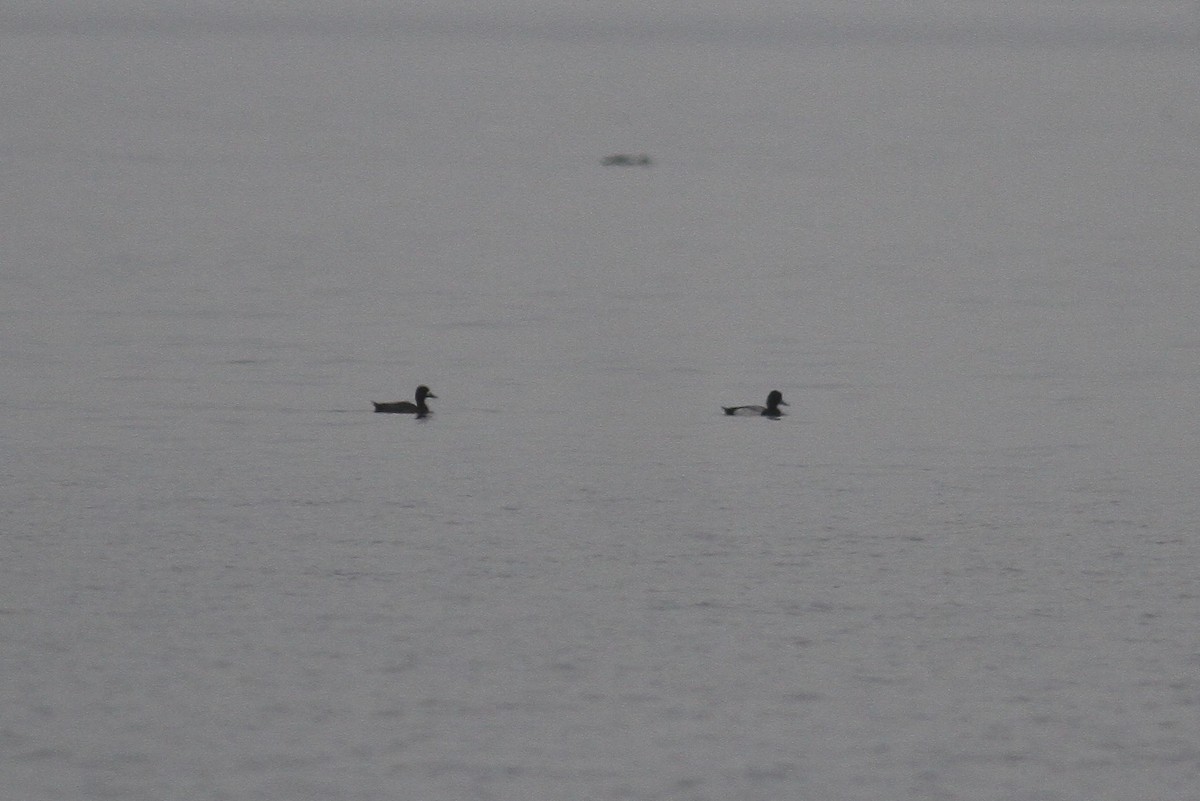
<point>960,238</point>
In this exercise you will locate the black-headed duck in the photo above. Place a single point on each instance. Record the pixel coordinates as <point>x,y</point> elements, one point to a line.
<point>404,407</point>
<point>774,401</point>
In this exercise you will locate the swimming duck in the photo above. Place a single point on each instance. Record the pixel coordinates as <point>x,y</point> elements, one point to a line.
<point>626,160</point>
<point>774,401</point>
<point>404,407</point>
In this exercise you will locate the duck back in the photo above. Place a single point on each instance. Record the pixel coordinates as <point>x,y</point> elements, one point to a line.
<point>744,411</point>
<point>400,407</point>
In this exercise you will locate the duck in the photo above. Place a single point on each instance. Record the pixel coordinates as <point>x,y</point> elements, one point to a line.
<point>404,407</point>
<point>626,160</point>
<point>774,401</point>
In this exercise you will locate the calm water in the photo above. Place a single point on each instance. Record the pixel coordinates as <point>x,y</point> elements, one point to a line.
<point>963,567</point>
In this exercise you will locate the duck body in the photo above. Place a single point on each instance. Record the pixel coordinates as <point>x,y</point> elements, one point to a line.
<point>774,401</point>
<point>406,407</point>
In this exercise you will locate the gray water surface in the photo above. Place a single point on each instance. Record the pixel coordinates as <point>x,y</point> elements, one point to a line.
<point>964,247</point>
